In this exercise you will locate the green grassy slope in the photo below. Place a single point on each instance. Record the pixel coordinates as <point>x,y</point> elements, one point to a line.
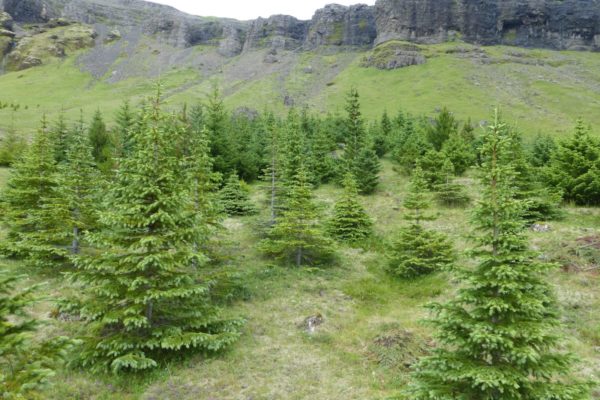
<point>371,330</point>
<point>541,90</point>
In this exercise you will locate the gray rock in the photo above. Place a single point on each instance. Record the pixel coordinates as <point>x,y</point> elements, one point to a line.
<point>568,24</point>
<point>342,26</point>
<point>277,31</point>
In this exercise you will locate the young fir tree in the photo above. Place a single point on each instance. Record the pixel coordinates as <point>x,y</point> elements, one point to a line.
<point>25,364</point>
<point>542,150</point>
<point>216,121</point>
<point>367,171</point>
<point>350,222</point>
<point>323,147</point>
<point>272,175</point>
<point>101,143</point>
<point>449,193</point>
<point>124,121</point>
<point>409,145</point>
<point>60,133</point>
<point>418,251</point>
<point>146,300</point>
<point>571,168</point>
<point>460,152</point>
<point>444,126</point>
<point>79,184</point>
<point>497,337</point>
<point>359,158</point>
<point>298,235</point>
<point>35,230</point>
<point>234,198</point>
<point>432,163</point>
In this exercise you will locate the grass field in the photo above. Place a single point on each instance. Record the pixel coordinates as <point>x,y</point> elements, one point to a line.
<point>371,329</point>
<point>542,91</point>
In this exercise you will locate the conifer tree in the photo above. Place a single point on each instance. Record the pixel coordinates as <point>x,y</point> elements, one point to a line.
<point>444,126</point>
<point>35,229</point>
<point>409,145</point>
<point>101,142</point>
<point>350,222</point>
<point>497,337</point>
<point>367,171</point>
<point>124,121</point>
<point>432,163</point>
<point>359,158</point>
<point>571,167</point>
<point>323,147</point>
<point>460,153</point>
<point>216,121</point>
<point>273,173</point>
<point>234,198</point>
<point>449,193</point>
<point>418,251</point>
<point>79,183</point>
<point>146,299</point>
<point>12,146</point>
<point>297,235</point>
<point>542,150</point>
<point>60,136</point>
<point>25,365</point>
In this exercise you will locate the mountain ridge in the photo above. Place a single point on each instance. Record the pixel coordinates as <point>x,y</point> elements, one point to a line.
<point>553,24</point>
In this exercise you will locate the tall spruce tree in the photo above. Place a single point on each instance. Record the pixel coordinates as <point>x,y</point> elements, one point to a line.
<point>26,365</point>
<point>124,121</point>
<point>419,251</point>
<point>61,133</point>
<point>497,337</point>
<point>146,300</point>
<point>217,124</point>
<point>272,175</point>
<point>460,152</point>
<point>100,141</point>
<point>298,234</point>
<point>350,222</point>
<point>35,229</point>
<point>359,158</point>
<point>79,184</point>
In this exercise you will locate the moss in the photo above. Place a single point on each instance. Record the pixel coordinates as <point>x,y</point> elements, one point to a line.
<point>337,36</point>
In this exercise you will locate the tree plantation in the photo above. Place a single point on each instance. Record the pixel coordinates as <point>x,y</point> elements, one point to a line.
<point>198,252</point>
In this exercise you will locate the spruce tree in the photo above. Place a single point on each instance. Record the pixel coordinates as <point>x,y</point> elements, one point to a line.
<point>35,228</point>
<point>323,147</point>
<point>367,171</point>
<point>449,193</point>
<point>124,121</point>
<point>350,222</point>
<point>26,365</point>
<point>359,158</point>
<point>79,184</point>
<point>234,198</point>
<point>432,163</point>
<point>101,143</point>
<point>570,166</point>
<point>12,146</point>
<point>542,150</point>
<point>298,235</point>
<point>409,145</point>
<point>460,153</point>
<point>60,132</point>
<point>443,127</point>
<point>272,174</point>
<point>217,121</point>
<point>497,337</point>
<point>419,251</point>
<point>146,299</point>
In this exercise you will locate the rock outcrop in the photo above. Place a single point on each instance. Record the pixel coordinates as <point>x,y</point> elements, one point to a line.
<point>337,25</point>
<point>554,24</point>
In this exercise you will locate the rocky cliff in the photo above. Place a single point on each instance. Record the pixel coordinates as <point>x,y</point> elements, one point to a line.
<point>555,24</point>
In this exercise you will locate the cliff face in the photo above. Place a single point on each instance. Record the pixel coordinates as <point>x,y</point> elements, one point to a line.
<point>555,24</point>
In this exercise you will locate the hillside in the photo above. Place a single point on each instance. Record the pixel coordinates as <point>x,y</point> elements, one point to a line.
<point>78,53</point>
